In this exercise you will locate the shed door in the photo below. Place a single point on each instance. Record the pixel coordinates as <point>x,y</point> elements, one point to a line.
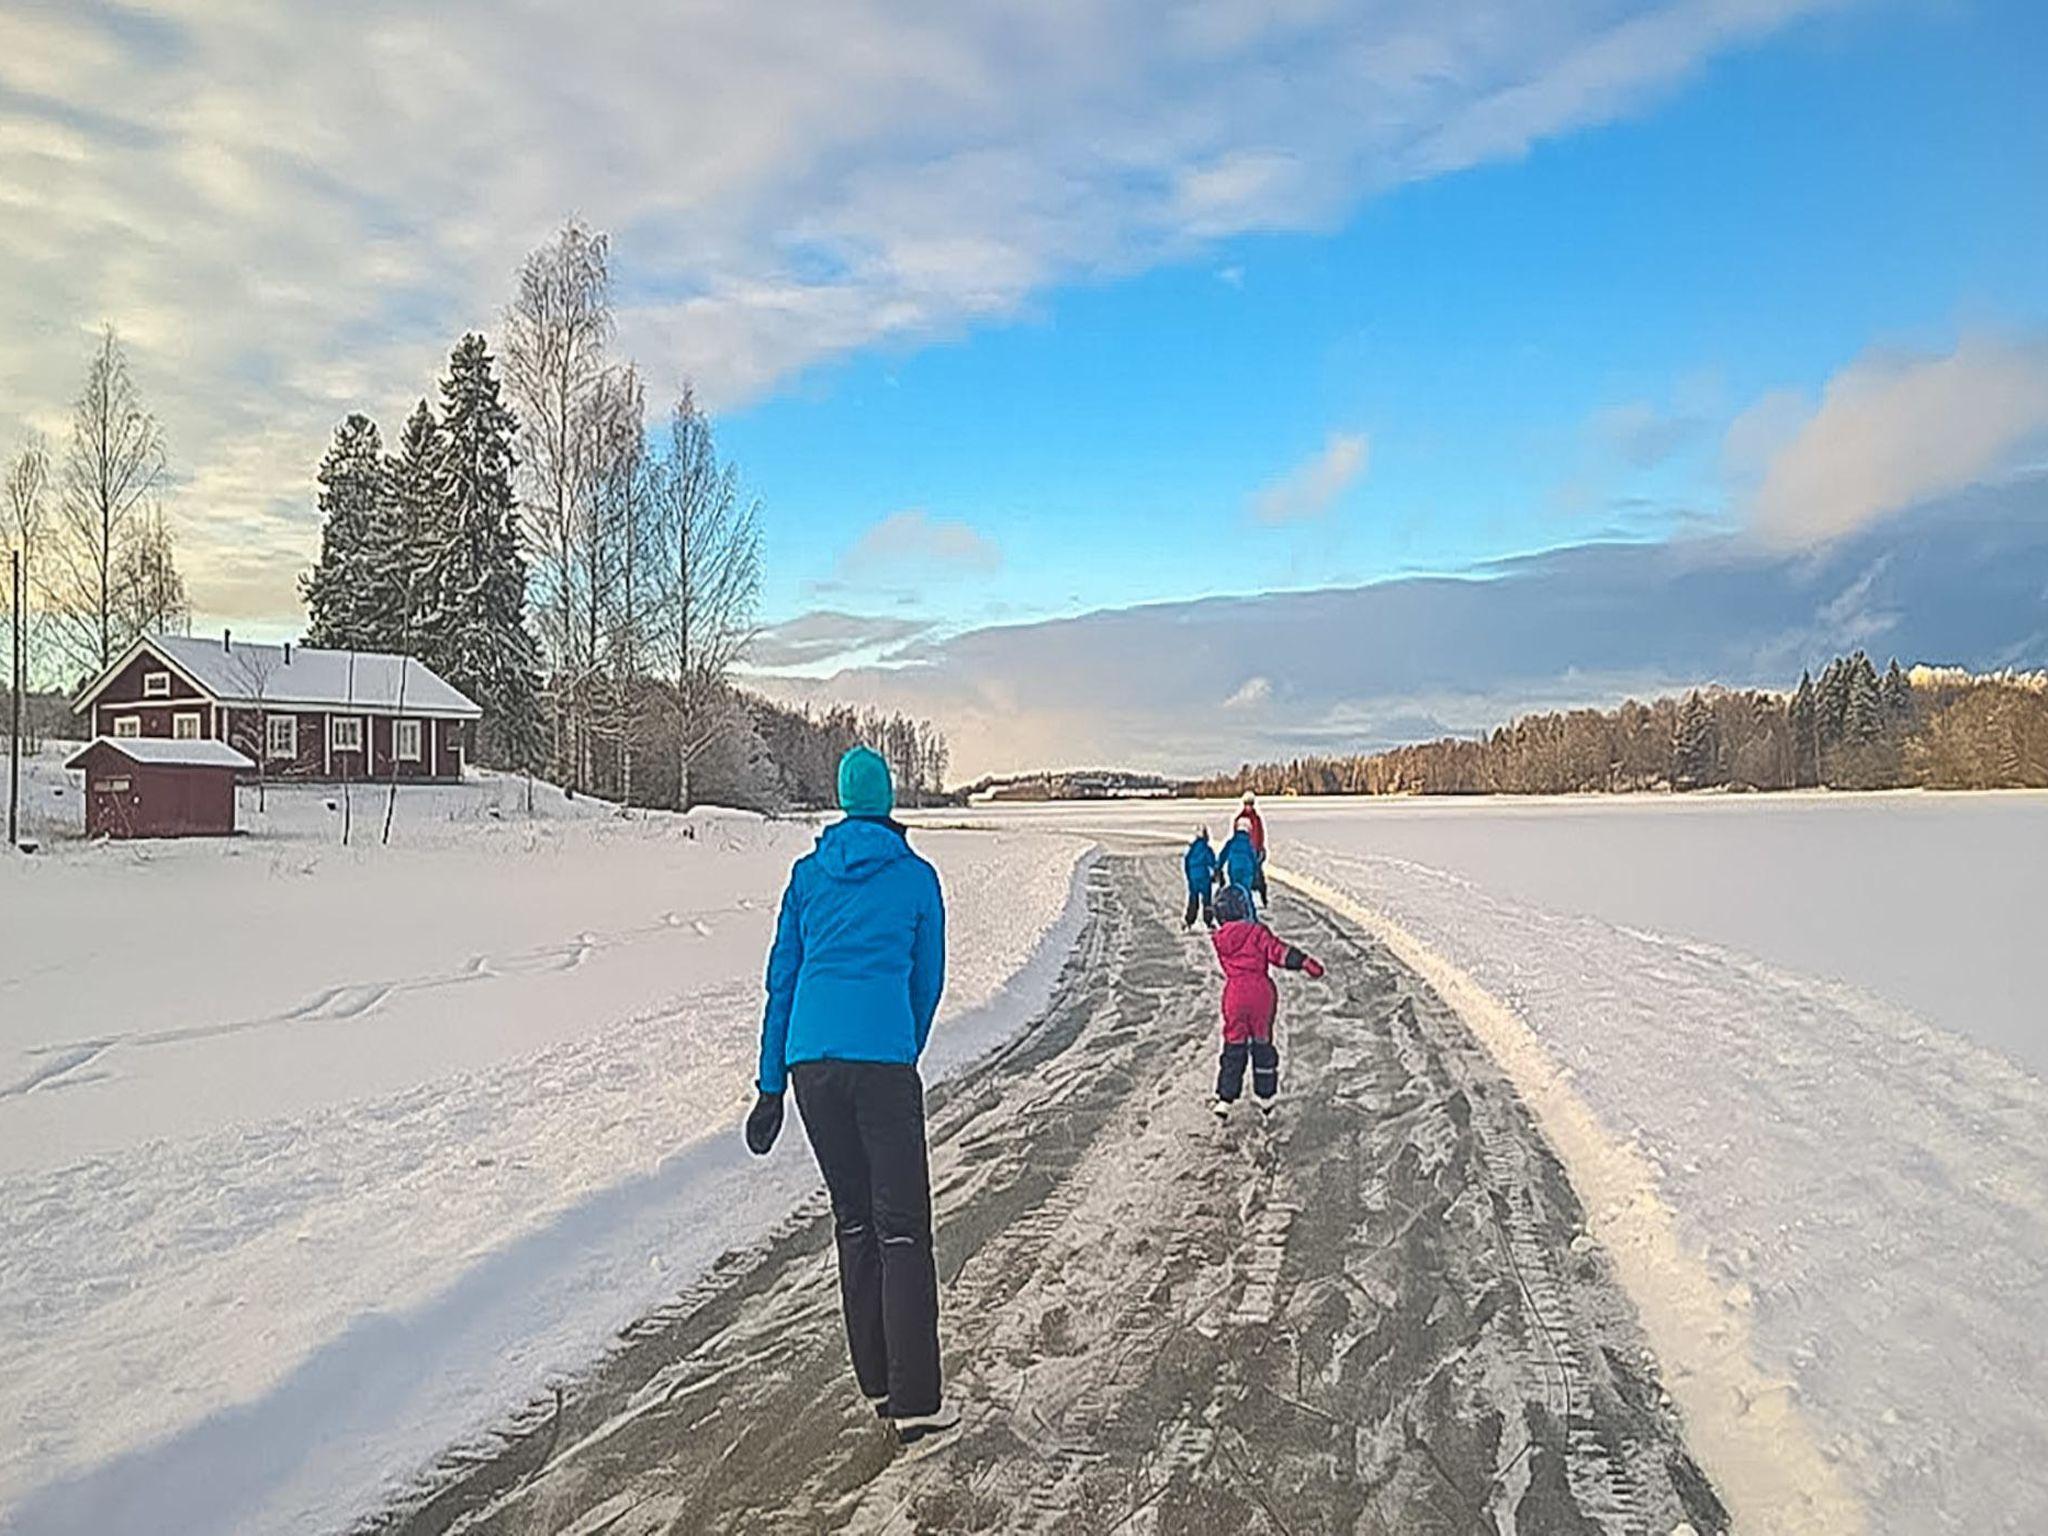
<point>115,805</point>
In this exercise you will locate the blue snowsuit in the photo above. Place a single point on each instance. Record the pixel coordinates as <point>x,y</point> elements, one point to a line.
<point>1200,863</point>
<point>1240,861</point>
<point>843,985</point>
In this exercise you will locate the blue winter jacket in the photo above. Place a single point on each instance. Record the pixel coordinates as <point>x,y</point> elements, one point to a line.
<point>860,953</point>
<point>1201,866</point>
<point>1240,860</point>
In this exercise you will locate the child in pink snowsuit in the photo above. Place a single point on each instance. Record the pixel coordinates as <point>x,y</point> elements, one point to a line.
<point>1248,949</point>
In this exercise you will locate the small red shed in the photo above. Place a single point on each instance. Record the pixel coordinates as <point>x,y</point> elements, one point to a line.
<point>142,786</point>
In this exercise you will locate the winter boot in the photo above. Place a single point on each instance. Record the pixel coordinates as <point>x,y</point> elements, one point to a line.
<point>925,1425</point>
<point>1220,1109</point>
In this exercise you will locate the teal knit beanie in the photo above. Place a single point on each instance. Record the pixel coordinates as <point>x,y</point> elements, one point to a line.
<point>864,787</point>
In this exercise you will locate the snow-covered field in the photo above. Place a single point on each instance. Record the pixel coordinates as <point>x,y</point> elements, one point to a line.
<point>1811,1028</point>
<point>313,1158</point>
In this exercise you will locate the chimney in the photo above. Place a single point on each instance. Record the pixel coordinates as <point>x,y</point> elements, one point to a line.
<point>225,641</point>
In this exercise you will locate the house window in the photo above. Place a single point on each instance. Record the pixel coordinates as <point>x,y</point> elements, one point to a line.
<point>127,725</point>
<point>408,741</point>
<point>184,727</point>
<point>156,685</point>
<point>281,735</point>
<point>345,733</point>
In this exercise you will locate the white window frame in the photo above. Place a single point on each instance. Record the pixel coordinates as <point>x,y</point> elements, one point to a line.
<point>187,725</point>
<point>127,727</point>
<point>156,685</point>
<point>281,736</point>
<point>406,743</point>
<point>334,733</point>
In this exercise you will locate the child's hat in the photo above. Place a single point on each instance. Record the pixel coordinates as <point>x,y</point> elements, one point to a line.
<point>1233,905</point>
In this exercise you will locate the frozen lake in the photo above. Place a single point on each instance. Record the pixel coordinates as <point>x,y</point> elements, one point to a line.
<point>1935,902</point>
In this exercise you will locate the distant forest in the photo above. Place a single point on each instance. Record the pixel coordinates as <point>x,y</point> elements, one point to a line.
<point>1851,728</point>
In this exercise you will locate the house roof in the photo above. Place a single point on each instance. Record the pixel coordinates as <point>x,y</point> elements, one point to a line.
<point>158,749</point>
<point>241,672</point>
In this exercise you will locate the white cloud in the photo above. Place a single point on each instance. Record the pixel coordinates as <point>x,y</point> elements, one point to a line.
<point>1307,490</point>
<point>1253,692</point>
<point>913,539</point>
<point>1890,431</point>
<point>291,209</point>
<point>824,636</point>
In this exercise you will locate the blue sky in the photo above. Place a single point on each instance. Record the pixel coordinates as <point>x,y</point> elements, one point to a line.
<point>1538,351</point>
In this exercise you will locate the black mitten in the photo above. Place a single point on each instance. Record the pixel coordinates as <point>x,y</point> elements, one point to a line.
<point>764,1123</point>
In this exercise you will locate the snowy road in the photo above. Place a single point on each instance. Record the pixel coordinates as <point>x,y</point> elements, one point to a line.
<point>1379,1312</point>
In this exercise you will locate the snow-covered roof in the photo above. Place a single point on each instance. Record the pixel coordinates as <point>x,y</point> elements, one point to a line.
<point>161,749</point>
<point>241,672</point>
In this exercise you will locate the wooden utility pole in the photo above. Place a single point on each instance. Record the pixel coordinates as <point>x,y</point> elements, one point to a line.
<point>14,736</point>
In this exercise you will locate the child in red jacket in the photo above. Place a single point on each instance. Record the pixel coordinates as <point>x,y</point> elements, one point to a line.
<point>1247,948</point>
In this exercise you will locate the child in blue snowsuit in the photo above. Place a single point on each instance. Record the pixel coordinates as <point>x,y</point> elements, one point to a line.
<point>1239,863</point>
<point>1200,862</point>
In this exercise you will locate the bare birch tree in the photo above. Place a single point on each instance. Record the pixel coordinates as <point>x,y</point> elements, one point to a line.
<point>23,519</point>
<point>112,470</point>
<point>707,586</point>
<point>255,666</point>
<point>149,594</point>
<point>620,553</point>
<point>556,335</point>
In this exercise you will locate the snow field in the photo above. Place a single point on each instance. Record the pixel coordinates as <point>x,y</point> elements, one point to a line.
<point>312,1159</point>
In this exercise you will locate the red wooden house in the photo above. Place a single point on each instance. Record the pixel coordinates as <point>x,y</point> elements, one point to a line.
<point>150,787</point>
<point>307,714</point>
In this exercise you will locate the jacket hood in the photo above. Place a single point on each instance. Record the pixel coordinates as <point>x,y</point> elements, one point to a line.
<point>855,848</point>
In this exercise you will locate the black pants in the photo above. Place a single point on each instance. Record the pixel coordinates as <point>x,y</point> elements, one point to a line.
<point>1200,901</point>
<point>1265,1062</point>
<point>865,1120</point>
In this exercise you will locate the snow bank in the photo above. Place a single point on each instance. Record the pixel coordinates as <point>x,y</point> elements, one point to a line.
<point>1834,1217</point>
<point>313,1160</point>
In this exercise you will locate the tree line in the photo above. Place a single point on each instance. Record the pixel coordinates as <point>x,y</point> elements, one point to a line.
<point>1851,727</point>
<point>99,561</point>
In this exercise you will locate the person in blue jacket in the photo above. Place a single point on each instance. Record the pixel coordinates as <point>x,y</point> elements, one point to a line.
<point>1200,863</point>
<point>854,979</point>
<point>1239,863</point>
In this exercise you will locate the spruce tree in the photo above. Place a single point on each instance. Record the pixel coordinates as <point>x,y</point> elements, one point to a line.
<point>1898,696</point>
<point>1832,701</point>
<point>1803,715</point>
<point>412,531</point>
<point>1863,710</point>
<point>473,616</point>
<point>354,492</point>
<point>1695,745</point>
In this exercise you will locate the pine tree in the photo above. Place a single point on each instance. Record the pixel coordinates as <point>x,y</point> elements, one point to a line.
<point>354,493</point>
<point>473,613</point>
<point>1695,745</point>
<point>1803,714</point>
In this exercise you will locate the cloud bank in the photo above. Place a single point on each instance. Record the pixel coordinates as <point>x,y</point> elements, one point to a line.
<point>290,209</point>
<point>1957,580</point>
